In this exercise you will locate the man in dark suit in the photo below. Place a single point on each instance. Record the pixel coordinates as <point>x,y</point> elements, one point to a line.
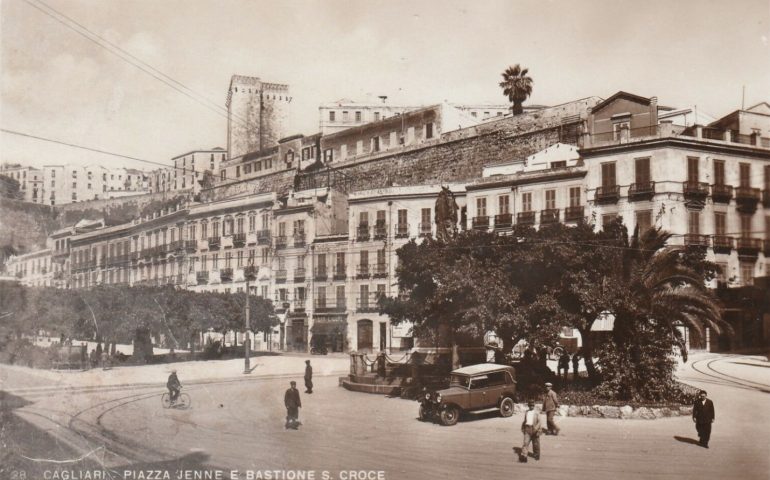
<point>293,404</point>
<point>308,377</point>
<point>703,416</point>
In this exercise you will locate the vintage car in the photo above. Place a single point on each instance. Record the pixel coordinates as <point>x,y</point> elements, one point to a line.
<point>473,388</point>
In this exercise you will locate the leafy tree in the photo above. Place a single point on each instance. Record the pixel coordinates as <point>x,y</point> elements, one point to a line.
<point>517,86</point>
<point>10,188</point>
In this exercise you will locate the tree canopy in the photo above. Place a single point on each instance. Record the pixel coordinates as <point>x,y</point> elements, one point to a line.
<point>517,86</point>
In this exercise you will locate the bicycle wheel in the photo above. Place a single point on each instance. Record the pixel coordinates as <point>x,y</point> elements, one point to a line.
<point>183,402</point>
<point>165,400</point>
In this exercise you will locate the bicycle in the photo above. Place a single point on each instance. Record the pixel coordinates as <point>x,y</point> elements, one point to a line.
<point>183,401</point>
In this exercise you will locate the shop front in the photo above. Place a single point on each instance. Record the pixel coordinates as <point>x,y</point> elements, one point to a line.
<point>296,332</point>
<point>329,331</point>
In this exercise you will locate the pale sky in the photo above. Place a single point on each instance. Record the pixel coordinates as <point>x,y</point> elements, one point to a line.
<point>57,84</point>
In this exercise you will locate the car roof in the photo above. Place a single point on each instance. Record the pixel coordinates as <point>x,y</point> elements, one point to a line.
<point>482,368</point>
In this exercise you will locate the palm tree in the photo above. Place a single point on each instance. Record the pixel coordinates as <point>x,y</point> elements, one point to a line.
<point>667,289</point>
<point>517,86</point>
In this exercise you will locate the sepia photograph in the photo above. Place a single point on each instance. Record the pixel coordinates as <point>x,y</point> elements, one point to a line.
<point>384,239</point>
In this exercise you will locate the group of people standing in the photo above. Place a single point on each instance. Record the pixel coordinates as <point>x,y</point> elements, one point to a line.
<point>563,365</point>
<point>292,401</point>
<point>702,415</point>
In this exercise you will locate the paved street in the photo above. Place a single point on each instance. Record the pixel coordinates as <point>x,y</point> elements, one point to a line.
<point>238,424</point>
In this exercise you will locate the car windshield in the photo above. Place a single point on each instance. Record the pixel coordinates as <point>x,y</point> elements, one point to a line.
<point>459,380</point>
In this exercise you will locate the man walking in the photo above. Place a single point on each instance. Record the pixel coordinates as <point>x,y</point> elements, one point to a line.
<point>530,427</point>
<point>293,404</point>
<point>703,416</point>
<point>550,404</point>
<point>308,377</point>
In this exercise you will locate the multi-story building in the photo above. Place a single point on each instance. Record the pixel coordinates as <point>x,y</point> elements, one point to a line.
<point>345,113</point>
<point>324,255</point>
<point>30,181</point>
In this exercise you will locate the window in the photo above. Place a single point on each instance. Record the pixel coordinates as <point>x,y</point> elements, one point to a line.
<point>376,116</point>
<point>215,261</point>
<point>364,257</point>
<point>693,223</point>
<point>223,174</point>
<point>328,155</point>
<point>239,260</point>
<point>747,273</point>
<point>619,127</point>
<point>331,116</point>
<point>345,116</point>
<point>642,171</point>
<point>608,174</point>
<point>767,180</point>
<point>340,296</point>
<point>693,172</point>
<point>364,295</point>
<point>237,171</point>
<point>559,164</point>
<point>429,130</point>
<point>265,256</point>
<point>239,225</point>
<point>74,185</point>
<point>720,223</point>
<point>719,172</point>
<point>89,186</point>
<point>550,199</point>
<point>526,202</point>
<point>281,229</point>
<point>204,231</point>
<point>745,174</point>
<point>340,262</point>
<point>252,223</point>
<point>425,216</point>
<point>643,220</point>
<point>358,117</point>
<point>481,207</point>
<point>375,144</point>
<point>746,226</point>
<point>402,216</point>
<point>247,169</point>
<point>574,196</point>
<point>607,219</point>
<point>503,204</point>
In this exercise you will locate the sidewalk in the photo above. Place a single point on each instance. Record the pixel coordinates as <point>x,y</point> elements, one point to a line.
<point>17,379</point>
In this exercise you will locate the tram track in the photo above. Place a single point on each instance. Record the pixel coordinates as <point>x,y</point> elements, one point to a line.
<point>708,370</point>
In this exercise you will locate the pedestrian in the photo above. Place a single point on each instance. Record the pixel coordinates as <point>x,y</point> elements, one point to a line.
<point>550,404</point>
<point>308,377</point>
<point>703,416</point>
<point>575,363</point>
<point>563,365</point>
<point>531,428</point>
<point>293,404</point>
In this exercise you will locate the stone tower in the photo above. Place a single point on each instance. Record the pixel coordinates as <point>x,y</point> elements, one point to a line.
<point>256,114</point>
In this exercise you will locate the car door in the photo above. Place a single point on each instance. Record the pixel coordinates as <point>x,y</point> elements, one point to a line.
<point>478,392</point>
<point>496,385</point>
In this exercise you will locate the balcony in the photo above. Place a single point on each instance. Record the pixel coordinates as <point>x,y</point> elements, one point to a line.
<point>746,199</point>
<point>749,247</point>
<point>250,273</point>
<point>161,250</point>
<point>320,273</point>
<point>202,278</point>
<point>550,215</point>
<point>299,275</point>
<point>402,230</point>
<point>362,271</point>
<point>503,221</point>
<point>340,272</point>
<point>367,304</point>
<point>380,270</point>
<point>696,240</point>
<point>695,191</point>
<point>176,246</point>
<point>721,193</point>
<point>380,231</point>
<point>322,305</point>
<point>263,237</point>
<point>574,214</point>
<point>641,191</point>
<point>190,246</point>
<point>525,218</point>
<point>226,275</point>
<point>362,232</point>
<point>766,198</point>
<point>480,223</point>
<point>299,305</point>
<point>425,229</point>
<point>299,239</point>
<point>239,240</point>
<point>280,242</point>
<point>280,276</point>
<point>214,243</point>
<point>607,194</point>
<point>722,243</point>
<point>147,253</point>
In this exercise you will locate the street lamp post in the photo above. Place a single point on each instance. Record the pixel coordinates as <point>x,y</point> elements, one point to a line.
<point>249,275</point>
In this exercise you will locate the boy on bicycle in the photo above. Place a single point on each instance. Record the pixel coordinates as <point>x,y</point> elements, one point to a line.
<point>173,386</point>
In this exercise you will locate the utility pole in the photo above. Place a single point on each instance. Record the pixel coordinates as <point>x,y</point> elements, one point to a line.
<point>248,274</point>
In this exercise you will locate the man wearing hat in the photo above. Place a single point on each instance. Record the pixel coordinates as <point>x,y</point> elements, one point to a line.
<point>530,427</point>
<point>293,404</point>
<point>550,405</point>
<point>308,377</point>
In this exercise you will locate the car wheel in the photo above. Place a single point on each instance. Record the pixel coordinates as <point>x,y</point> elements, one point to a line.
<point>449,416</point>
<point>506,407</point>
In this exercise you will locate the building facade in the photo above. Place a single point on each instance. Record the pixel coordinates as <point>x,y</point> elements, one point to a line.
<point>256,114</point>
